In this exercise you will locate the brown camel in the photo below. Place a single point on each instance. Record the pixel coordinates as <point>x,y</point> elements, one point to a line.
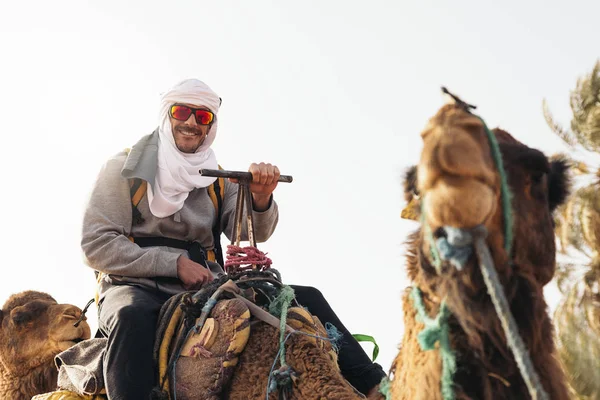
<point>33,329</point>
<point>459,183</point>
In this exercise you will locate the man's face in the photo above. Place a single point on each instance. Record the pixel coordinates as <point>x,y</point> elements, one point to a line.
<point>188,135</point>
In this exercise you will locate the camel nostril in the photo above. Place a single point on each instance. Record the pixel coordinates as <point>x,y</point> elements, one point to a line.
<point>440,233</point>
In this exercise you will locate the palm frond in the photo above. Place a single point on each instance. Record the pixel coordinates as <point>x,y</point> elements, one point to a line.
<point>567,136</point>
<point>585,105</point>
<point>578,347</point>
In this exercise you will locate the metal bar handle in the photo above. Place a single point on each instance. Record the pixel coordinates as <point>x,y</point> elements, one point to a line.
<point>220,173</point>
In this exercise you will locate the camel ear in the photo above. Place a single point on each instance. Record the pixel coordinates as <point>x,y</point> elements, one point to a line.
<point>21,315</point>
<point>558,182</point>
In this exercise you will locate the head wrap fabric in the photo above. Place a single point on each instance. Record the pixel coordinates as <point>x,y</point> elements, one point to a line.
<point>177,173</point>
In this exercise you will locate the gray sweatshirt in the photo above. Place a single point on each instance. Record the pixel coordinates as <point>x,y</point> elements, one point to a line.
<point>107,224</point>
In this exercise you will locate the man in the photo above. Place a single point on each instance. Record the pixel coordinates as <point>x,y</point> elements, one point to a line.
<point>141,261</point>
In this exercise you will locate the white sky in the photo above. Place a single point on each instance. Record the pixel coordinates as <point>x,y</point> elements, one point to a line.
<point>333,92</point>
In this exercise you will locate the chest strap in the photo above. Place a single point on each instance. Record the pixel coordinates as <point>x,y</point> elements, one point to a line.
<point>195,250</point>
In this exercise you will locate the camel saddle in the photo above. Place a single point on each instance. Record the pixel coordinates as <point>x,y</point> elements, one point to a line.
<point>199,364</point>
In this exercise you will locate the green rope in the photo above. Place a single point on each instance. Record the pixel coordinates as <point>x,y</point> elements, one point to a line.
<point>280,307</point>
<point>504,188</point>
<point>437,330</point>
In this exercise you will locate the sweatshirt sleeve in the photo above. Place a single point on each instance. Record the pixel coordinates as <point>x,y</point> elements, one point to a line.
<point>264,221</point>
<point>107,225</point>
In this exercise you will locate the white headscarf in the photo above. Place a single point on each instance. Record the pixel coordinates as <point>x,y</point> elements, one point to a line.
<point>177,174</point>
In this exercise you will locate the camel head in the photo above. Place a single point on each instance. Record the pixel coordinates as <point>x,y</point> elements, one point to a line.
<point>34,328</point>
<point>458,184</point>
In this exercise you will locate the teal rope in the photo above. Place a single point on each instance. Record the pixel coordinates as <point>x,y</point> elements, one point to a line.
<point>504,188</point>
<point>495,290</point>
<point>280,305</point>
<point>271,384</point>
<point>437,330</point>
<point>385,387</point>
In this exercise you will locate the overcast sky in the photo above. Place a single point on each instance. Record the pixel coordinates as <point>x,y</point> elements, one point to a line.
<point>333,92</point>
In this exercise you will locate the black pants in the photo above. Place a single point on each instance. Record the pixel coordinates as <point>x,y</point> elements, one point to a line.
<point>128,317</point>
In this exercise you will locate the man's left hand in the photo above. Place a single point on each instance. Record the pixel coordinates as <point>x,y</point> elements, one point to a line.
<point>264,182</point>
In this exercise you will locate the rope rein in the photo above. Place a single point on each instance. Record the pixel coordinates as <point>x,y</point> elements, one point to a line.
<point>435,330</point>
<point>284,375</point>
<point>456,248</point>
<point>509,325</point>
<point>270,385</point>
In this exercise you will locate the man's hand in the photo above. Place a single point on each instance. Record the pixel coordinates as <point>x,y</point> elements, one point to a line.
<point>264,182</point>
<point>192,274</point>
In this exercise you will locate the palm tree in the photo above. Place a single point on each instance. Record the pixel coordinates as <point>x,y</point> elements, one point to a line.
<point>585,105</point>
<point>578,228</point>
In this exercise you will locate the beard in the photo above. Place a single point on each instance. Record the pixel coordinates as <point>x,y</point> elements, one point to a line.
<point>188,139</point>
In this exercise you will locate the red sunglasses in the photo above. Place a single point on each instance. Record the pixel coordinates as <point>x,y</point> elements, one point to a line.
<point>182,113</point>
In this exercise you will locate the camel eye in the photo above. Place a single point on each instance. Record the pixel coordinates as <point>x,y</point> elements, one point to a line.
<point>536,178</point>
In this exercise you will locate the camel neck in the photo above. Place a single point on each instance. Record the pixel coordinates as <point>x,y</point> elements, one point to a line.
<point>40,379</point>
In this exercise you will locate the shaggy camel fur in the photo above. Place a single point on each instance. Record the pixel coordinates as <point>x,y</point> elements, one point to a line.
<point>318,376</point>
<point>460,185</point>
<point>33,329</point>
<point>232,357</point>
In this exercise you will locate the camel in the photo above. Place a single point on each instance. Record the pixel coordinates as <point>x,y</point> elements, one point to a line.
<point>33,329</point>
<point>458,184</point>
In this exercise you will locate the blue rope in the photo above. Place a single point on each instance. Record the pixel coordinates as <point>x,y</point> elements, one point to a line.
<point>335,336</point>
<point>456,247</point>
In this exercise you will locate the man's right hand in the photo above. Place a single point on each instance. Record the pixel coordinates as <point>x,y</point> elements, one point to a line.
<point>191,274</point>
